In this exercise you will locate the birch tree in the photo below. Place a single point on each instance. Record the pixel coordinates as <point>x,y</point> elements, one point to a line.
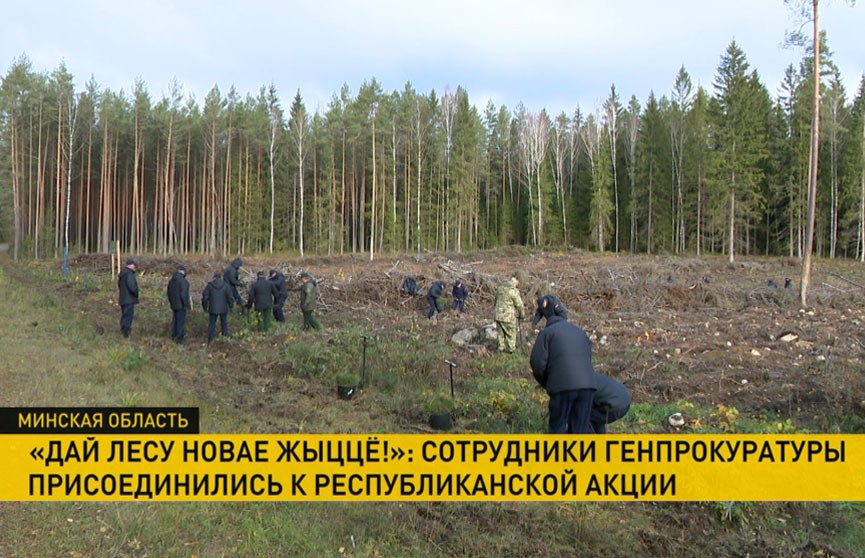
<point>70,100</point>
<point>592,134</point>
<point>534,136</point>
<point>682,100</point>
<point>559,152</point>
<point>274,112</point>
<point>835,129</point>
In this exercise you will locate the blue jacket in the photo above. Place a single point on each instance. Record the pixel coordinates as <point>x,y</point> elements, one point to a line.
<point>558,309</point>
<point>611,394</point>
<point>216,297</point>
<point>178,291</point>
<point>281,286</point>
<point>460,291</point>
<point>562,357</point>
<point>127,286</point>
<point>230,273</point>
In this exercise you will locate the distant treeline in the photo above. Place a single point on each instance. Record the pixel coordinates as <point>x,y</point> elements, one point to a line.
<point>692,171</point>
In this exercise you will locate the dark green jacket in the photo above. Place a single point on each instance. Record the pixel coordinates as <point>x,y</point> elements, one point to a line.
<point>262,294</point>
<point>308,295</point>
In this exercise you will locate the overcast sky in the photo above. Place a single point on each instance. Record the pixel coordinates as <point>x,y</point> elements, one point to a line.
<point>553,54</point>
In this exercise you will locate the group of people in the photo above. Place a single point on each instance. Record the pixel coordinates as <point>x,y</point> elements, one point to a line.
<point>581,400</point>
<point>436,298</point>
<point>267,296</point>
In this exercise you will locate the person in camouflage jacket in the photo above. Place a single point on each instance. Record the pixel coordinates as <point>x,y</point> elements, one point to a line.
<point>308,296</point>
<point>509,309</point>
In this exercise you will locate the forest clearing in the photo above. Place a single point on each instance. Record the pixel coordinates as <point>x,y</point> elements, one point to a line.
<point>723,343</point>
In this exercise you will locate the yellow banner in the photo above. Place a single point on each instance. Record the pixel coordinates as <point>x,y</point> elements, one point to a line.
<point>354,467</point>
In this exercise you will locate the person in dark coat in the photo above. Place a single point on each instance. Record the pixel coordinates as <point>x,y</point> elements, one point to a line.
<point>262,294</point>
<point>561,363</point>
<point>612,401</point>
<point>460,293</point>
<point>217,301</point>
<point>278,279</point>
<point>230,276</point>
<point>178,299</point>
<point>308,298</point>
<point>409,286</point>
<point>436,298</point>
<point>558,309</point>
<point>127,285</point>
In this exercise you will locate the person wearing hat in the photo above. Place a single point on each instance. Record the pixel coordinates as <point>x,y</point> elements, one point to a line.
<point>561,362</point>
<point>178,299</point>
<point>509,309</point>
<point>278,279</point>
<point>262,294</point>
<point>558,309</point>
<point>217,301</point>
<point>127,285</point>
<point>308,297</point>
<point>230,276</point>
<point>460,293</point>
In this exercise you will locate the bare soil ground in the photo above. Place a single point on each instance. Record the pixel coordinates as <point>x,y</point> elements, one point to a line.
<point>698,329</point>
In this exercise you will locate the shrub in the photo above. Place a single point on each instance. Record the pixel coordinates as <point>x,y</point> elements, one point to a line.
<point>438,404</point>
<point>347,379</point>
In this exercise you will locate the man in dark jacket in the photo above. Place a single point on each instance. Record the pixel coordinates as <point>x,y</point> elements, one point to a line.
<point>561,362</point>
<point>127,285</point>
<point>278,279</point>
<point>178,299</point>
<point>217,301</point>
<point>612,401</point>
<point>460,293</point>
<point>230,276</point>
<point>436,298</point>
<point>262,294</point>
<point>308,297</point>
<point>409,286</point>
<point>558,309</point>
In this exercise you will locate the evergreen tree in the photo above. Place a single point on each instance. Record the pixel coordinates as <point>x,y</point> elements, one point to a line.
<point>741,143</point>
<point>853,175</point>
<point>653,150</point>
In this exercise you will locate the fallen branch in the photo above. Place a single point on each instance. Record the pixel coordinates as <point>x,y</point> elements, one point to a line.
<point>830,285</point>
<point>832,273</point>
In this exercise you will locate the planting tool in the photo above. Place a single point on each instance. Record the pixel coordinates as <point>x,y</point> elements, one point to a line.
<point>452,365</point>
<point>365,337</point>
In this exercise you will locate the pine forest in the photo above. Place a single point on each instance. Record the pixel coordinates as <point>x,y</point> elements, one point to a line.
<point>694,170</point>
